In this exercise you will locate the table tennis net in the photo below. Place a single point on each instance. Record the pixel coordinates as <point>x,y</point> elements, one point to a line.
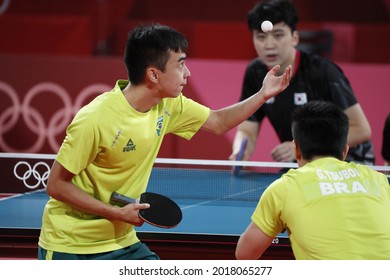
<point>175,178</point>
<point>213,179</point>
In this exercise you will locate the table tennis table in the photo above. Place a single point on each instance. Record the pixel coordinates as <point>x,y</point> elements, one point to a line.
<point>216,205</point>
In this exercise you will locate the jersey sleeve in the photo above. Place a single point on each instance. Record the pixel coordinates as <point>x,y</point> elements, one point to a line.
<point>330,82</point>
<point>268,212</point>
<point>188,117</point>
<point>80,145</point>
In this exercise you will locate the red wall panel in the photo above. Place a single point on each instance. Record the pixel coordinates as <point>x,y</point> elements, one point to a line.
<point>39,95</point>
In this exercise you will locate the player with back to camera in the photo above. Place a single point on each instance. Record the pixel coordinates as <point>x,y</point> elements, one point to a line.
<point>330,208</point>
<point>314,78</point>
<point>112,143</point>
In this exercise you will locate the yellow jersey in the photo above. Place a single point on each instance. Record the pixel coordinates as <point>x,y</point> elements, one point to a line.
<point>110,146</point>
<point>331,209</point>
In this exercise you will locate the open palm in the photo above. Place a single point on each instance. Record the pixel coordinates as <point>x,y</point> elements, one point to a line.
<point>273,84</point>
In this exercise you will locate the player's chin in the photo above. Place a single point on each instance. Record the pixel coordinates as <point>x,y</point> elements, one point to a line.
<point>178,91</point>
<point>174,94</point>
<point>271,60</point>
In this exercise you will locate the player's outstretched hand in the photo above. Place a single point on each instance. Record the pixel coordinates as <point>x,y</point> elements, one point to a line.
<point>272,84</point>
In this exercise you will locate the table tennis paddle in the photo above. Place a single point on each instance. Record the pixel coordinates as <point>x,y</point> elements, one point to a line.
<point>236,169</point>
<point>163,212</point>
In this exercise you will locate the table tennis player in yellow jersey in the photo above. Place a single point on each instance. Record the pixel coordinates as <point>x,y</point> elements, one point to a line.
<point>112,143</point>
<point>331,209</point>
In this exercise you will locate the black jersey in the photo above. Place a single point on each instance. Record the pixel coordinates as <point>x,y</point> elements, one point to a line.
<point>386,140</point>
<point>315,79</point>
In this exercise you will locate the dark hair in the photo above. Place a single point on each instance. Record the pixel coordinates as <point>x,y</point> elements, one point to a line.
<point>275,11</point>
<point>149,45</point>
<point>320,128</point>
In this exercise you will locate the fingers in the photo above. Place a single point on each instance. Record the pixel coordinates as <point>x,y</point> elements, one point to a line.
<point>286,77</point>
<point>138,223</point>
<point>288,73</point>
<point>284,152</point>
<point>129,213</point>
<point>282,80</point>
<point>140,206</point>
<point>233,156</point>
<point>275,69</point>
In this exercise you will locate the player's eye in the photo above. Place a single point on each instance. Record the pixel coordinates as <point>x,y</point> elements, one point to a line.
<point>261,36</point>
<point>279,35</point>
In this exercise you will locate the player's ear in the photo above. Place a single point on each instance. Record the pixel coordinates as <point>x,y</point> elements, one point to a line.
<point>152,74</point>
<point>345,151</point>
<point>295,38</point>
<point>298,154</point>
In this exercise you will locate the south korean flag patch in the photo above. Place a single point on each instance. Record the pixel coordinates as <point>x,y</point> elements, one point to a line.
<point>300,98</point>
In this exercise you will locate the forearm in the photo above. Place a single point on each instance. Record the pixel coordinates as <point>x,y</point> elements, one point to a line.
<point>252,243</point>
<point>358,136</point>
<point>359,127</point>
<point>71,195</point>
<point>60,187</point>
<point>230,117</point>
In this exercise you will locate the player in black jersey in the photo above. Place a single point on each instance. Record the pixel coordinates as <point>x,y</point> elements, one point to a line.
<point>314,77</point>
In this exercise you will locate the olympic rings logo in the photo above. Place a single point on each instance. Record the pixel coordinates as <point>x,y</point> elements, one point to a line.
<point>34,172</point>
<point>46,128</point>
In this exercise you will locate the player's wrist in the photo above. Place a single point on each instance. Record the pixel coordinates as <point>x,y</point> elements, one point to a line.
<point>114,213</point>
<point>262,93</point>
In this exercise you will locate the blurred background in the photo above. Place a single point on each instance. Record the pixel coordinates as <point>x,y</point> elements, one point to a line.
<point>55,56</point>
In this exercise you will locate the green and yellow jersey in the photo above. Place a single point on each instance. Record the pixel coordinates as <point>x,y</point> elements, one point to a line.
<point>331,209</point>
<point>110,146</point>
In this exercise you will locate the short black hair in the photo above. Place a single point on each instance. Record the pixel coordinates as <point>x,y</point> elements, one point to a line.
<point>320,128</point>
<point>150,45</point>
<point>275,11</point>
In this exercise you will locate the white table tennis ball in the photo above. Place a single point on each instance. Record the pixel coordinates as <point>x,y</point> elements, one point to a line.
<point>266,26</point>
